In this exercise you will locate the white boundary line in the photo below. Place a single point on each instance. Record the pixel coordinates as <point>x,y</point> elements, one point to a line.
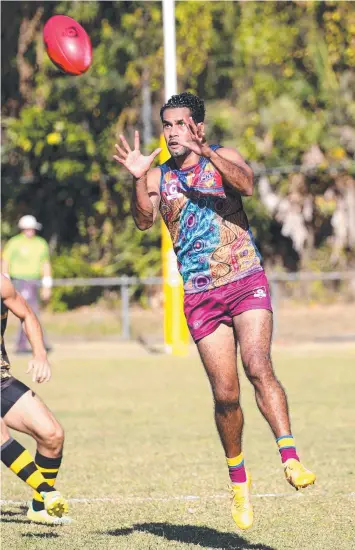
<point>177,498</point>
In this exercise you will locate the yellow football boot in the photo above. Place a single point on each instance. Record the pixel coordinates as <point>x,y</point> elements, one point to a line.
<point>297,475</point>
<point>55,504</point>
<point>242,508</point>
<point>42,516</point>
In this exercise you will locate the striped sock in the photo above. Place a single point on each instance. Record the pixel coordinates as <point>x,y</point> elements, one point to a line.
<point>49,469</point>
<point>20,461</point>
<point>236,469</point>
<point>287,447</point>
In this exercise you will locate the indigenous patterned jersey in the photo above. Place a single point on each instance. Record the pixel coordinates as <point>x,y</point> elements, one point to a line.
<point>208,226</point>
<point>5,364</point>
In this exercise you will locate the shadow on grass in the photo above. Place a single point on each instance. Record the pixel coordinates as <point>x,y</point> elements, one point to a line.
<point>19,511</point>
<point>9,513</point>
<point>40,535</point>
<point>14,520</point>
<point>10,516</point>
<point>192,534</point>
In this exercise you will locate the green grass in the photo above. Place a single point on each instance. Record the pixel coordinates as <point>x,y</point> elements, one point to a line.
<point>140,425</point>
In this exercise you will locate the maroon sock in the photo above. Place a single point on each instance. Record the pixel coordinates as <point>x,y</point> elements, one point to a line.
<point>236,469</point>
<point>287,448</point>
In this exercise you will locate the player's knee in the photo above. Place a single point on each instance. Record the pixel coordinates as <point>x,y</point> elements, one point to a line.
<point>258,368</point>
<point>226,401</point>
<point>257,365</point>
<point>53,437</point>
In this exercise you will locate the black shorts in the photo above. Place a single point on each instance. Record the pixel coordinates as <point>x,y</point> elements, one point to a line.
<point>11,391</point>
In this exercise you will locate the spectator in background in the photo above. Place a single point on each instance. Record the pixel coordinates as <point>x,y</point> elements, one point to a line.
<point>26,260</point>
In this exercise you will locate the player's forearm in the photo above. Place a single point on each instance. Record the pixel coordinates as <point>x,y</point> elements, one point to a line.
<point>234,175</point>
<point>141,205</point>
<point>33,331</point>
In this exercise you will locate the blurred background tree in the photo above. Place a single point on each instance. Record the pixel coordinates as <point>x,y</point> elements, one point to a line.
<point>279,83</point>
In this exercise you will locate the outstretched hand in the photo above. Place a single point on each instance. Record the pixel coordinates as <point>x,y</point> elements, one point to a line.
<point>197,142</point>
<point>136,163</point>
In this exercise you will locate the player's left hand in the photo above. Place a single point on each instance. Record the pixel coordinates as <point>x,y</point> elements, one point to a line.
<point>41,370</point>
<point>197,142</point>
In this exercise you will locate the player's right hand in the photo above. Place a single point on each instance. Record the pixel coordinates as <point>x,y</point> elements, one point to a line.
<point>136,163</point>
<point>41,370</point>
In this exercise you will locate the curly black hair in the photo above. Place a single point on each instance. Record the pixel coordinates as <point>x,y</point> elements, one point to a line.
<point>186,99</point>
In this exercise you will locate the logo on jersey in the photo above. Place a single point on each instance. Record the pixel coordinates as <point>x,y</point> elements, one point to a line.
<point>172,189</point>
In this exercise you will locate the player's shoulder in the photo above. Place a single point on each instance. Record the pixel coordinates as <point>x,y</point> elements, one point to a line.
<point>223,150</point>
<point>155,172</point>
<point>153,177</point>
<point>233,155</point>
<point>226,152</point>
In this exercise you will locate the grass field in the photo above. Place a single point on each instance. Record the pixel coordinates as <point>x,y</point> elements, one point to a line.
<point>143,455</point>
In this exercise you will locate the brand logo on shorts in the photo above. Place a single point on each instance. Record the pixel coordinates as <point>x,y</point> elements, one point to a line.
<point>196,324</point>
<point>260,293</point>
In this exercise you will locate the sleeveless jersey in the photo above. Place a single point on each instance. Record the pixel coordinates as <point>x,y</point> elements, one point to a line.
<point>208,226</point>
<point>4,360</point>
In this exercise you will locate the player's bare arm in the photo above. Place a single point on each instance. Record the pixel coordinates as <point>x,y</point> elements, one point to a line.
<point>145,193</point>
<point>41,371</point>
<point>145,199</point>
<point>235,171</point>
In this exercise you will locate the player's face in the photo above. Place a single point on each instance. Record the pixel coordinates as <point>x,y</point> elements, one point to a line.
<point>176,131</point>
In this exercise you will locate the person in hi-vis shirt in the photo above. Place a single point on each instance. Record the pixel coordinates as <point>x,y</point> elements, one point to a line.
<point>26,259</point>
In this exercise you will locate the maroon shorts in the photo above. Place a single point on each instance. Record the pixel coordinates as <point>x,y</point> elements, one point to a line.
<point>205,311</point>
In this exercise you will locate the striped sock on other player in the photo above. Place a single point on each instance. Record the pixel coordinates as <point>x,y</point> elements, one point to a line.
<point>287,447</point>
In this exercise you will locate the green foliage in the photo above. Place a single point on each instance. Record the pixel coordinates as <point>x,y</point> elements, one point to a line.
<point>71,265</point>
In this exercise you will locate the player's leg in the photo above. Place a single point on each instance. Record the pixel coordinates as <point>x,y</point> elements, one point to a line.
<point>31,416</point>
<point>20,461</point>
<point>219,356</point>
<point>254,333</point>
<point>254,330</point>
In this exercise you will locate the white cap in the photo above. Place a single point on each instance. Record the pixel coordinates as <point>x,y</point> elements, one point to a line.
<point>29,222</point>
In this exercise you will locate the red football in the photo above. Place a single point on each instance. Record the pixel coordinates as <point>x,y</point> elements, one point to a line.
<point>68,44</point>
